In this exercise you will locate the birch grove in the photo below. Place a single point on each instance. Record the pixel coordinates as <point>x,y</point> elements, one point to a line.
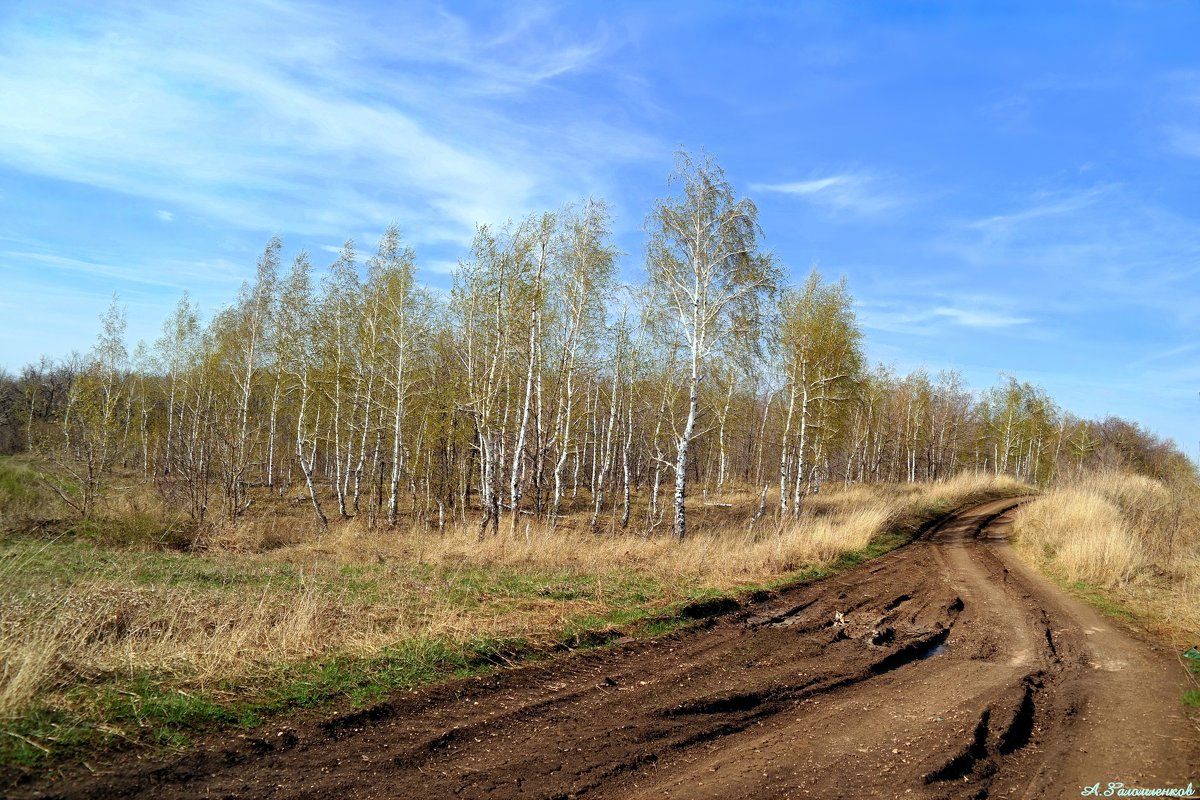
<point>539,388</point>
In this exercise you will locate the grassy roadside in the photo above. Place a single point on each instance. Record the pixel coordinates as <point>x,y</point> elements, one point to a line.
<point>1127,545</point>
<point>1191,663</point>
<point>1143,614</point>
<point>150,648</point>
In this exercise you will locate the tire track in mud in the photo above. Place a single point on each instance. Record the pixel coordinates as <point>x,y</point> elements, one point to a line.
<point>945,669</point>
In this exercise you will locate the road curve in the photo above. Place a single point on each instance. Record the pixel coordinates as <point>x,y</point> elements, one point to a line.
<point>946,669</point>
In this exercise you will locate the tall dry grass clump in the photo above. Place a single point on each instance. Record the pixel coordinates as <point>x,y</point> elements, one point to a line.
<point>1136,538</point>
<point>1082,534</point>
<point>903,497</point>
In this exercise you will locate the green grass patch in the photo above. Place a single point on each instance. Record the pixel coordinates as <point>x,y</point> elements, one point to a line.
<point>472,585</point>
<point>25,502</point>
<point>362,679</point>
<point>18,484</point>
<point>1095,597</point>
<point>67,559</point>
<point>656,628</point>
<point>136,530</point>
<point>1191,660</point>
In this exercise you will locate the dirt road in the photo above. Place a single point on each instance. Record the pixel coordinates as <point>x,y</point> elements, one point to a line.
<point>945,669</point>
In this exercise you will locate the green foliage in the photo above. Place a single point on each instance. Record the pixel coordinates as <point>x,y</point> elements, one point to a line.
<point>1020,419</point>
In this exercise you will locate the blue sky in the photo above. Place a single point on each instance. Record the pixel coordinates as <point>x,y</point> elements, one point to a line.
<point>1007,186</point>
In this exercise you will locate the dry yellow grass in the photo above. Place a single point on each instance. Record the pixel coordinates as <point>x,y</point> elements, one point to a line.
<point>273,590</point>
<point>721,557</point>
<point>1134,538</point>
<point>1083,534</point>
<point>99,630</point>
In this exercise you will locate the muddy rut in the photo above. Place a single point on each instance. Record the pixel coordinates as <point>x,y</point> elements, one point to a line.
<point>945,669</point>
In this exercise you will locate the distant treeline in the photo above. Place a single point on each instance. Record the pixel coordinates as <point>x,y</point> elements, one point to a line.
<point>539,384</point>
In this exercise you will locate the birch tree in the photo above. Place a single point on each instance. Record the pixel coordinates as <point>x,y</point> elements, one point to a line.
<point>821,349</point>
<point>581,286</point>
<point>704,265</point>
<point>298,350</point>
<point>91,423</point>
<point>404,324</point>
<point>482,301</point>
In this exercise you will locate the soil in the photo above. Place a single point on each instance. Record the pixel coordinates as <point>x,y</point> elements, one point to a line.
<point>946,669</point>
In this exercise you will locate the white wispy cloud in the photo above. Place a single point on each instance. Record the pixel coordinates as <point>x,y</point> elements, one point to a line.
<point>1044,204</point>
<point>173,275</point>
<point>294,117</point>
<point>934,314</point>
<point>1103,247</point>
<point>50,262</point>
<point>165,216</point>
<point>851,192</point>
<point>1170,353</point>
<point>978,318</point>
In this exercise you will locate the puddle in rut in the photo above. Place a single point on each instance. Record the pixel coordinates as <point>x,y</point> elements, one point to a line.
<point>937,651</point>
